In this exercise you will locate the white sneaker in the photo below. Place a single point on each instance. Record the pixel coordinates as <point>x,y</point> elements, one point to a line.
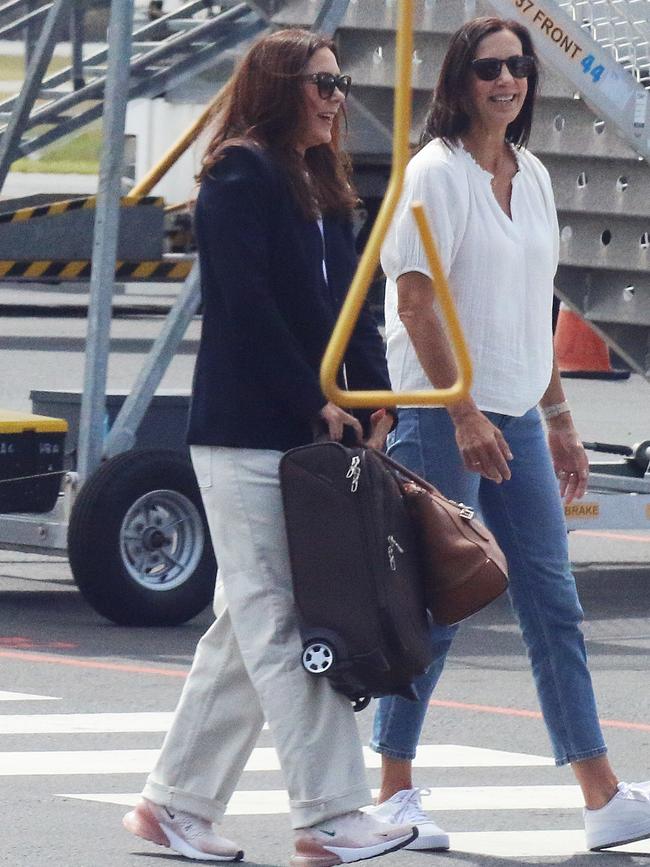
<point>624,819</point>
<point>184,833</point>
<point>405,807</point>
<point>349,837</point>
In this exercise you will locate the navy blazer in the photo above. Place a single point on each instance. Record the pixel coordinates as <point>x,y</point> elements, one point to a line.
<point>268,311</point>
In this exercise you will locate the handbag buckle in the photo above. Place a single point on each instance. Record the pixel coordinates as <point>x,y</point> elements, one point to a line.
<point>466,512</point>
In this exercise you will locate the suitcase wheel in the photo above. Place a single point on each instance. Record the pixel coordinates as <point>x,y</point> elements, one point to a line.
<point>318,657</point>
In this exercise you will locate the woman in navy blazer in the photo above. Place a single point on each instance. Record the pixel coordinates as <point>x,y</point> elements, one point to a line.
<point>273,225</point>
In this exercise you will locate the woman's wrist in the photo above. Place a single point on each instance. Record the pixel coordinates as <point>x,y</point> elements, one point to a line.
<point>462,410</point>
<point>555,410</point>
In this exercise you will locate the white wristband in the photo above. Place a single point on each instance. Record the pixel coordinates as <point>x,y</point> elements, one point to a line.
<point>555,409</point>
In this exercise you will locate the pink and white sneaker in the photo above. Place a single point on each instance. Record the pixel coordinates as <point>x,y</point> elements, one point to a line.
<point>350,837</point>
<point>184,833</point>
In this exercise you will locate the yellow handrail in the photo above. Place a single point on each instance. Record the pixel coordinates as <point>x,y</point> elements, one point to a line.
<point>358,291</point>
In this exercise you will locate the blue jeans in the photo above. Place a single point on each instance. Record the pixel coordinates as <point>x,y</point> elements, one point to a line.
<point>526,516</point>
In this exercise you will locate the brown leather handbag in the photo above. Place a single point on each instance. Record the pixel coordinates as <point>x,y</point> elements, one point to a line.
<point>462,565</point>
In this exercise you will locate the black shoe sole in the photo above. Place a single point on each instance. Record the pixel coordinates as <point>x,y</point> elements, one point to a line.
<point>620,842</point>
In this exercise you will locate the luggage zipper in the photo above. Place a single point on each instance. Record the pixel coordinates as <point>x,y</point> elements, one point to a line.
<point>353,473</point>
<point>374,544</point>
<point>394,642</point>
<point>393,545</point>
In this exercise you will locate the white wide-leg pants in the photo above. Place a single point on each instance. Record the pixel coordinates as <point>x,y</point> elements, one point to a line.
<point>247,666</point>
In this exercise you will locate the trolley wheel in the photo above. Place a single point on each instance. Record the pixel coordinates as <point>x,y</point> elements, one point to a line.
<point>318,657</point>
<point>138,541</point>
<point>360,703</point>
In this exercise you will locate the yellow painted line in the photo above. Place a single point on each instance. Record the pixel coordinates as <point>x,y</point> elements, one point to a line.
<point>37,269</point>
<point>57,208</point>
<point>145,269</point>
<point>89,203</point>
<point>23,215</point>
<point>182,269</point>
<point>151,269</point>
<point>73,269</point>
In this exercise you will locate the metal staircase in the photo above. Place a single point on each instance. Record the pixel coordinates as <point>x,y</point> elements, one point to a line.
<point>164,54</point>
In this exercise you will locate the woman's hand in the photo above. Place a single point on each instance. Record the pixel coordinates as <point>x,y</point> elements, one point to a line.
<point>336,419</point>
<point>481,444</point>
<point>569,457</point>
<point>380,424</point>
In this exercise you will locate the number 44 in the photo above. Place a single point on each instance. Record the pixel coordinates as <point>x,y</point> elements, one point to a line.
<point>588,67</point>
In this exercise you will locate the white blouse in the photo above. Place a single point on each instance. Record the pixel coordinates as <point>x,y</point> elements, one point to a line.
<point>500,272</point>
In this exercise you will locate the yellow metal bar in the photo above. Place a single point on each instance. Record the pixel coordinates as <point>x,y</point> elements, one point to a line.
<point>149,181</point>
<point>356,296</point>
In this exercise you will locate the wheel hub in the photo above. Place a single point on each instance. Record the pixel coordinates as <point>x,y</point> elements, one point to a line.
<point>153,539</point>
<point>317,658</point>
<point>161,539</point>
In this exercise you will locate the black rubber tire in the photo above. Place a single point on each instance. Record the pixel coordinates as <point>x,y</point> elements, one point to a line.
<point>94,541</point>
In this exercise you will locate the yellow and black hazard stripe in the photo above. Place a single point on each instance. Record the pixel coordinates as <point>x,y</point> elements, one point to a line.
<point>87,203</point>
<point>157,270</point>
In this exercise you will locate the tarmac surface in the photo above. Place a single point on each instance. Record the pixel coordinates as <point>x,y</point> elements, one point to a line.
<point>84,706</point>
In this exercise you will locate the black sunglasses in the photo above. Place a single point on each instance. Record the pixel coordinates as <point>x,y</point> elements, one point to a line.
<point>327,82</point>
<point>489,68</point>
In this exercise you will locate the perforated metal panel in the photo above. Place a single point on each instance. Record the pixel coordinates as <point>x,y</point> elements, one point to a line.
<point>602,189</point>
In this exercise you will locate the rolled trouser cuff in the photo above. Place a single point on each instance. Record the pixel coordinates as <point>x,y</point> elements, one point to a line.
<point>177,799</point>
<point>307,813</point>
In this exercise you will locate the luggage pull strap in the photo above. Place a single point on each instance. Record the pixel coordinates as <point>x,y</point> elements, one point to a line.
<point>405,472</point>
<point>465,511</point>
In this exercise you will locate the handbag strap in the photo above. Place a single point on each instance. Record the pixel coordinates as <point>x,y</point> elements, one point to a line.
<point>404,471</point>
<point>321,436</point>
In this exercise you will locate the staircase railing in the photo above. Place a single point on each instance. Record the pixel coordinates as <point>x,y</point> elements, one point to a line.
<point>602,49</point>
<point>161,57</point>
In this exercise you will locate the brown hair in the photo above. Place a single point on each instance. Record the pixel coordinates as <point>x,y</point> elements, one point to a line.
<point>447,118</point>
<point>262,105</point>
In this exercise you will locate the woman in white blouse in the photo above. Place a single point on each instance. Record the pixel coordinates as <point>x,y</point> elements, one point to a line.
<point>490,204</point>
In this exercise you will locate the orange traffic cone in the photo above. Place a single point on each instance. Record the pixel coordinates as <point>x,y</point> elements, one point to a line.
<point>580,352</point>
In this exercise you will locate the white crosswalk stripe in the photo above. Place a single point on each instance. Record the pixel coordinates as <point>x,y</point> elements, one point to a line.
<point>441,799</point>
<point>245,802</point>
<point>64,762</point>
<point>529,844</point>
<point>24,696</point>
<point>83,723</point>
